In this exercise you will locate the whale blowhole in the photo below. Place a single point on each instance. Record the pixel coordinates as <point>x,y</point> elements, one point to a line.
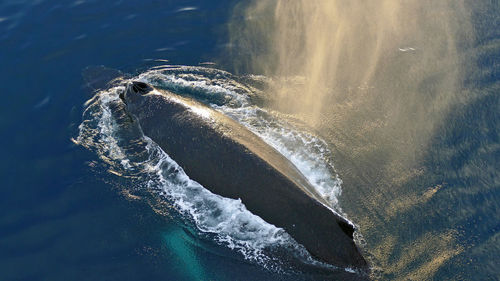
<point>140,87</point>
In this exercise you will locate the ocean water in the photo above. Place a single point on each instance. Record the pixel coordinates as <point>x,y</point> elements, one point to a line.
<point>77,204</point>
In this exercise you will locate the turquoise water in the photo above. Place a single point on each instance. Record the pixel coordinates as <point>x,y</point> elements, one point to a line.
<point>64,216</point>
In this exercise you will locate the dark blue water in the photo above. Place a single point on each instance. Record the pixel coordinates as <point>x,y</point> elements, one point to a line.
<point>62,217</point>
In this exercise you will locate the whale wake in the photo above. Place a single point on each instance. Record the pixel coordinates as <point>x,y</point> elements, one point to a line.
<point>126,152</point>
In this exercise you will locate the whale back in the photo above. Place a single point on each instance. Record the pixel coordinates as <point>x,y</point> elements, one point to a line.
<point>233,162</point>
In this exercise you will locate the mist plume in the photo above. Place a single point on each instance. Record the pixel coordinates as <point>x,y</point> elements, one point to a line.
<point>376,79</point>
<point>388,64</point>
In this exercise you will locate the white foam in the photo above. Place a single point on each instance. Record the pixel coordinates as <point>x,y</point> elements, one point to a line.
<point>100,136</point>
<point>307,152</point>
<point>214,88</point>
<point>228,219</point>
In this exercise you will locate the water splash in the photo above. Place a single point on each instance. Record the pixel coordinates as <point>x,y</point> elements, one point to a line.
<point>119,142</point>
<point>222,92</point>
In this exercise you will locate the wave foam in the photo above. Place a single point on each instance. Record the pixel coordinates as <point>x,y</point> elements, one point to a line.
<point>307,152</point>
<point>108,131</point>
<point>228,219</point>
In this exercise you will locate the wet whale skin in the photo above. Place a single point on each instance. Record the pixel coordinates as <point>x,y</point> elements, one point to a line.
<point>231,161</point>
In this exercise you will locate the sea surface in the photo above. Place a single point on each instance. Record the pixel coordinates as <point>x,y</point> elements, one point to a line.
<point>78,202</point>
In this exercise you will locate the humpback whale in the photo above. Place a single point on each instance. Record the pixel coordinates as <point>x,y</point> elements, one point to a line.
<point>229,160</point>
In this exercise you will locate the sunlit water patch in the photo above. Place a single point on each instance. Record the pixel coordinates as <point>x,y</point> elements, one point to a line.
<point>119,142</point>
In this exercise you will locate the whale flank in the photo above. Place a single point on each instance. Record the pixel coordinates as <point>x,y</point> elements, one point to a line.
<point>246,232</point>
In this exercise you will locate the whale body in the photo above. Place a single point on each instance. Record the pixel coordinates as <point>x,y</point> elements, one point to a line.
<point>229,160</point>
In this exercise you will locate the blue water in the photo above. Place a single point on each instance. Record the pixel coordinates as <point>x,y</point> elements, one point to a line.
<point>59,220</point>
<point>64,217</point>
